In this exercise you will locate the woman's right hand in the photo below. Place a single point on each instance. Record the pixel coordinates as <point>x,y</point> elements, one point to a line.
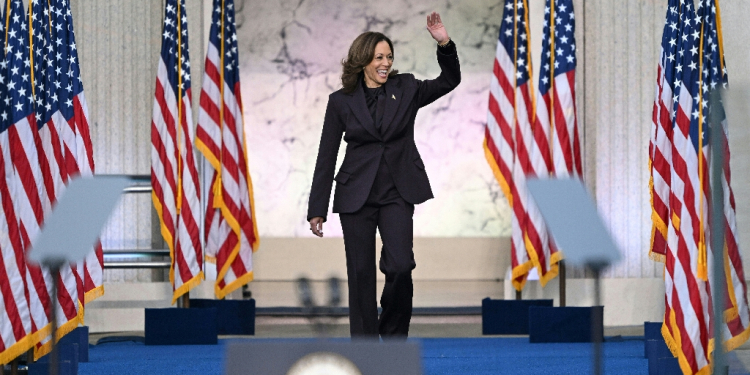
<point>316,226</point>
<point>436,29</point>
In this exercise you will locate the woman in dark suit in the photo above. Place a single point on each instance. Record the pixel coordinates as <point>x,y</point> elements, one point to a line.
<point>382,176</point>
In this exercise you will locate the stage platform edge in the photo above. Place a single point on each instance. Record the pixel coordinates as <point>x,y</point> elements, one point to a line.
<point>234,317</point>
<point>508,317</point>
<point>651,331</point>
<point>179,326</point>
<point>67,361</point>
<point>660,358</point>
<point>562,324</point>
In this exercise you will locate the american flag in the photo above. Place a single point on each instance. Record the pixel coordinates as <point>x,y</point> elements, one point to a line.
<point>51,123</point>
<point>687,297</point>
<point>556,107</point>
<point>15,317</point>
<point>556,127</point>
<point>688,317</point>
<point>512,147</point>
<point>230,227</point>
<point>660,143</point>
<point>77,146</point>
<point>28,180</point>
<point>174,175</point>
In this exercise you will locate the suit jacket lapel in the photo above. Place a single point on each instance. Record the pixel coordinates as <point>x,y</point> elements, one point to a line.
<point>359,108</point>
<point>392,101</point>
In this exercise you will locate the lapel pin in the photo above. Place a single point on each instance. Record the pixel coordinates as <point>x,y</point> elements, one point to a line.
<point>393,96</point>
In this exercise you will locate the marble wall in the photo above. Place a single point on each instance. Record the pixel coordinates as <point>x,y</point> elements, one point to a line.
<point>291,53</point>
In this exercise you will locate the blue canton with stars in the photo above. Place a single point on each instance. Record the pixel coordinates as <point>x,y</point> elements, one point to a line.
<point>714,68</point>
<point>67,72</point>
<point>47,100</point>
<point>565,43</point>
<point>688,69</point>
<point>174,46</point>
<point>669,42</point>
<point>4,110</point>
<point>512,33</point>
<point>231,59</point>
<point>16,70</point>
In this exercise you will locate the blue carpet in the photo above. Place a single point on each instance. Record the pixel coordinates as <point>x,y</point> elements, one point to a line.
<point>440,357</point>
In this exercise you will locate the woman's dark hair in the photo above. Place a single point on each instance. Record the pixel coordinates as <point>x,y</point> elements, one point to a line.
<point>360,55</point>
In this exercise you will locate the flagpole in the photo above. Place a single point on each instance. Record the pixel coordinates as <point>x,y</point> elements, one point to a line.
<point>179,106</point>
<point>702,250</point>
<point>561,263</point>
<point>7,22</point>
<point>515,104</point>
<point>184,299</point>
<point>717,207</point>
<point>530,65</point>
<point>218,189</point>
<point>563,284</point>
<point>31,52</point>
<point>717,237</point>
<point>552,85</point>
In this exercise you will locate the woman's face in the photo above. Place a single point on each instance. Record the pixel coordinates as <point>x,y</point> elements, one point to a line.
<point>376,72</point>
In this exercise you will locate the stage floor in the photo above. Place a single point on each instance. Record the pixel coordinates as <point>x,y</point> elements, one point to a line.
<point>450,345</point>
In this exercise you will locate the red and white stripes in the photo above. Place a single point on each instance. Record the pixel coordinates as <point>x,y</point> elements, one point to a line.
<point>15,321</point>
<point>502,139</point>
<point>78,147</point>
<point>230,229</point>
<point>174,178</point>
<point>564,147</point>
<point>660,154</point>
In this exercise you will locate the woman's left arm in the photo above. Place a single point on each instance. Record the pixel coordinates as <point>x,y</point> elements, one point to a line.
<point>450,70</point>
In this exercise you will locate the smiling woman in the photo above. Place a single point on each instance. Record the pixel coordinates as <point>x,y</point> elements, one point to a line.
<point>382,176</point>
<point>376,72</point>
<point>369,51</point>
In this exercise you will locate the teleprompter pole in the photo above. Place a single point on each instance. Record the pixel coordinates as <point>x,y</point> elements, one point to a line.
<point>54,363</point>
<point>596,322</point>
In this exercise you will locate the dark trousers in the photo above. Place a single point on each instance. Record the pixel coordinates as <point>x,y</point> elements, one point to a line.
<point>388,212</point>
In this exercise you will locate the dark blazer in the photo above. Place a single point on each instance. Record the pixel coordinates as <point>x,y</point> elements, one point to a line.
<point>348,114</point>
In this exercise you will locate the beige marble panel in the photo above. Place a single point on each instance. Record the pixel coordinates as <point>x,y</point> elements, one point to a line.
<point>291,53</point>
